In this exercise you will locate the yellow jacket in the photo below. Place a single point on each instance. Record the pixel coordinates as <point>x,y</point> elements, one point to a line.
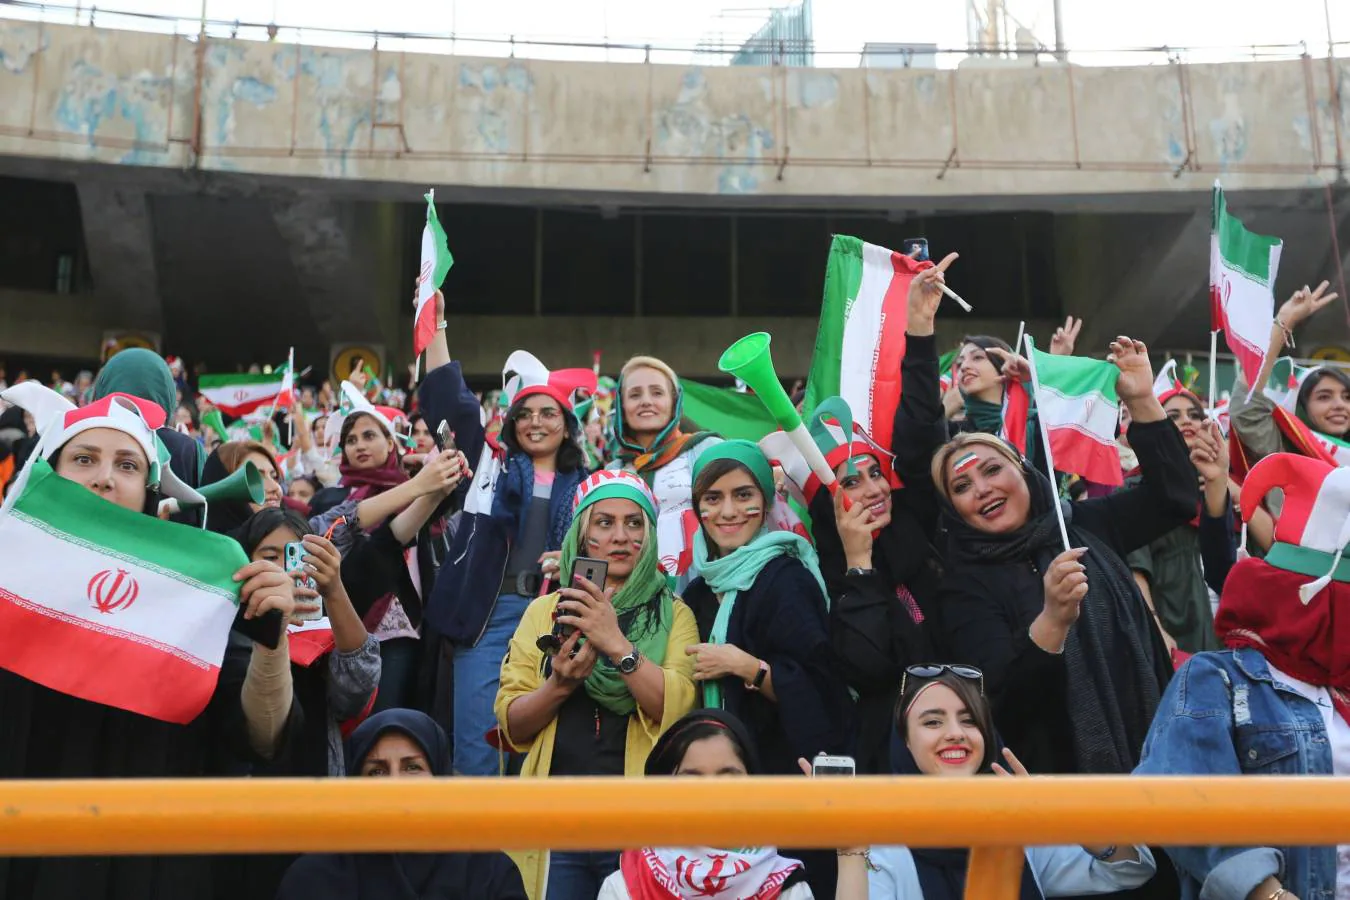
<point>522,672</point>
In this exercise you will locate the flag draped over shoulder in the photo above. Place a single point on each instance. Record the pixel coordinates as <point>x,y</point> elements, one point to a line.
<point>113,606</point>
<point>238,395</point>
<point>1242,267</point>
<point>861,337</point>
<point>436,262</point>
<point>1078,407</point>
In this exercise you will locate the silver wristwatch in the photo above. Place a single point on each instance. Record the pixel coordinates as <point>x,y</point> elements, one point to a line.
<point>627,665</point>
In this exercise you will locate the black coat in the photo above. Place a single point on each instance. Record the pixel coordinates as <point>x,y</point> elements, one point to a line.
<point>988,608</point>
<point>47,734</point>
<point>874,633</point>
<point>781,620</point>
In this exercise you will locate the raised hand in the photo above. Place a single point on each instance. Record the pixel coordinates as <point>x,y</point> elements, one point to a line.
<point>855,527</point>
<point>1014,764</point>
<point>1303,304</point>
<point>1209,453</point>
<point>1066,336</point>
<point>1014,367</point>
<point>1135,381</point>
<point>925,293</point>
<point>589,609</point>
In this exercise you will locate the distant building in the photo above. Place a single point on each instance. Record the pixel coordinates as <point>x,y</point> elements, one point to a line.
<point>784,39</point>
<point>888,55</point>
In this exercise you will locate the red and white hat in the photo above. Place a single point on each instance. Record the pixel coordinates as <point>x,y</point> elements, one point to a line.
<point>524,375</point>
<point>828,424</point>
<point>353,402</point>
<point>609,483</point>
<point>1315,515</point>
<point>59,421</point>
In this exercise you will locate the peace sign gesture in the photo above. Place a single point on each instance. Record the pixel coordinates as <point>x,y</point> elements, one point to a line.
<point>925,293</point>
<point>1303,304</point>
<point>1065,337</point>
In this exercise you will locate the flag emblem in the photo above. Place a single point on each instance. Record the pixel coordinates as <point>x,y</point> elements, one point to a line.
<point>112,589</point>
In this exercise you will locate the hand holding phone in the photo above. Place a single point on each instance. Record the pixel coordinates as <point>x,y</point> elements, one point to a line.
<point>824,764</point>
<point>294,564</point>
<point>593,570</point>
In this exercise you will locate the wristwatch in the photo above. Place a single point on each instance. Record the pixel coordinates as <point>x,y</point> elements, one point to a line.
<point>760,675</point>
<point>627,665</point>
<point>859,570</point>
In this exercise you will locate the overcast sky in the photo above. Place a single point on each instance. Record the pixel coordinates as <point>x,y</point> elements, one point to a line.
<point>842,25</point>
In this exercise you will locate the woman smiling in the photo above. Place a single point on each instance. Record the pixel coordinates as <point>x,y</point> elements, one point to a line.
<point>1064,635</point>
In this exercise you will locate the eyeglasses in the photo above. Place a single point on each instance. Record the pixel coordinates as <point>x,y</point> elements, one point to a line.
<point>546,416</point>
<point>932,670</point>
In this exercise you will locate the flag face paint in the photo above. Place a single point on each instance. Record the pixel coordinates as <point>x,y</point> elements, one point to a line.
<point>964,463</point>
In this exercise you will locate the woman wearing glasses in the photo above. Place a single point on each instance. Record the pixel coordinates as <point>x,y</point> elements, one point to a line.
<point>516,511</point>
<point>943,728</point>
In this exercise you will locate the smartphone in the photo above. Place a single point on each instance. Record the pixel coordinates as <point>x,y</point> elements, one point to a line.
<point>594,571</point>
<point>265,630</point>
<point>833,765</point>
<point>445,438</point>
<point>294,563</point>
<point>915,248</point>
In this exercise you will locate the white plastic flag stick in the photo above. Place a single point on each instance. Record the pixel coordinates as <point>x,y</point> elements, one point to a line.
<point>1045,440</point>
<point>1021,331</point>
<point>1213,348</point>
<point>290,418</point>
<point>955,296</point>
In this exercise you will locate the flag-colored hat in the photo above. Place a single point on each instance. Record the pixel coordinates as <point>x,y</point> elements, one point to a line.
<point>1167,385</point>
<point>353,402</point>
<point>1313,530</point>
<point>59,421</point>
<point>524,375</point>
<point>832,428</point>
<point>605,484</point>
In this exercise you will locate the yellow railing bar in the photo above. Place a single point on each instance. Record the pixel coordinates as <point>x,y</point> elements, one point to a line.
<point>369,814</point>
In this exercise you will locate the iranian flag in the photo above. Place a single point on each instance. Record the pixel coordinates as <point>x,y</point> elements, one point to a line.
<point>436,262</point>
<point>238,395</point>
<point>1286,378</point>
<point>113,606</point>
<point>286,395</point>
<point>1078,409</point>
<point>861,337</point>
<point>1242,268</point>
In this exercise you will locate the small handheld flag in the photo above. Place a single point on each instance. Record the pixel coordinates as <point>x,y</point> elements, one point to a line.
<point>436,262</point>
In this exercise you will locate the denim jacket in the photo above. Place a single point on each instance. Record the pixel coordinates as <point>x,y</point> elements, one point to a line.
<point>1226,714</point>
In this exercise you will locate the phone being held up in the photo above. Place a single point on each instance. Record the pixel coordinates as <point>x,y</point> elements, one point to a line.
<point>594,571</point>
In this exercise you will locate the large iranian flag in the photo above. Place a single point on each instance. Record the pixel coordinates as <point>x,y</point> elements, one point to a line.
<point>1242,267</point>
<point>861,337</point>
<point>238,395</point>
<point>112,606</point>
<point>1078,408</point>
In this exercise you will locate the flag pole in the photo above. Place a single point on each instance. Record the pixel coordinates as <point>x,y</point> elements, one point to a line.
<point>1213,363</point>
<point>1045,441</point>
<point>1021,332</point>
<point>290,419</point>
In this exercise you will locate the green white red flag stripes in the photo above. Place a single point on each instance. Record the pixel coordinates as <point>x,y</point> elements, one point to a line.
<point>1242,267</point>
<point>1078,409</point>
<point>861,337</point>
<point>113,606</point>
<point>238,395</point>
<point>436,262</point>
<point>1016,410</point>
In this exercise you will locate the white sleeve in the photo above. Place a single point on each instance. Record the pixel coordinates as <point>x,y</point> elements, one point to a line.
<point>615,889</point>
<point>1068,871</point>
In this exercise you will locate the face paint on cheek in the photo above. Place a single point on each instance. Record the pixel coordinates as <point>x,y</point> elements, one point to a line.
<point>705,514</point>
<point>752,510</point>
<point>592,542</point>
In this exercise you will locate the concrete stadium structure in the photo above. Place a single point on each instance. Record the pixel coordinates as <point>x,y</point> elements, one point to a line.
<point>233,193</point>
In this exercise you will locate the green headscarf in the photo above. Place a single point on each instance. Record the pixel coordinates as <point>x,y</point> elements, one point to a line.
<point>645,604</point>
<point>140,373</point>
<point>728,575</point>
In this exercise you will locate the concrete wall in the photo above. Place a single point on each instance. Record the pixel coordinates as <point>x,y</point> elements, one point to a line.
<point>131,98</point>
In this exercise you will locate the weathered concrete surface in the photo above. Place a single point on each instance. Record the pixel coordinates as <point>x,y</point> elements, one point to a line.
<point>119,239</point>
<point>133,98</point>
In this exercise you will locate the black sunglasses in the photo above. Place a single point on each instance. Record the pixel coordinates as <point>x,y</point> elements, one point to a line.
<point>928,671</point>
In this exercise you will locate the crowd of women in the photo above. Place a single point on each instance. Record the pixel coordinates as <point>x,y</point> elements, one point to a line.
<point>505,593</point>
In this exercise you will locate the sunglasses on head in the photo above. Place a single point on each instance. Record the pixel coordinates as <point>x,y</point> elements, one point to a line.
<point>929,671</point>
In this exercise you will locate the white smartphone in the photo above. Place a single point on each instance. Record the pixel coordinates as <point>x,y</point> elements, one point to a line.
<point>833,765</point>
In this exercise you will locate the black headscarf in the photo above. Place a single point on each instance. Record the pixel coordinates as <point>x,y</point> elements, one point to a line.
<point>670,747</point>
<point>942,870</point>
<point>1115,662</point>
<point>402,876</point>
<point>225,517</point>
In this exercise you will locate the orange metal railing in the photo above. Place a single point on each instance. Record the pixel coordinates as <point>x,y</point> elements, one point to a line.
<point>996,816</point>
